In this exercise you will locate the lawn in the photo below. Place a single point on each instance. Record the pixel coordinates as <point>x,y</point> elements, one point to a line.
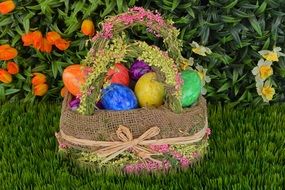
<point>247,151</point>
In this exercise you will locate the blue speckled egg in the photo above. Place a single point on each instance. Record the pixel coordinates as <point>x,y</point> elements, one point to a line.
<point>118,97</point>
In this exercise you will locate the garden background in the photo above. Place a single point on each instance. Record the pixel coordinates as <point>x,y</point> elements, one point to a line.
<point>246,148</point>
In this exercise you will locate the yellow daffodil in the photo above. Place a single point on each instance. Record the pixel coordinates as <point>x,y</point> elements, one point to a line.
<point>263,70</point>
<point>265,90</point>
<point>271,55</point>
<point>200,50</point>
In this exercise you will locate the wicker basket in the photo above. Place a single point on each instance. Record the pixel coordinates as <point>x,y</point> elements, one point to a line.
<point>138,139</point>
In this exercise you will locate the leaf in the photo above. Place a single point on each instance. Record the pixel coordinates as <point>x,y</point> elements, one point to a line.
<point>26,21</point>
<point>15,40</point>
<point>78,6</point>
<point>261,8</point>
<point>241,14</point>
<point>5,21</point>
<point>35,7</point>
<point>109,8</point>
<point>266,44</point>
<point>215,3</point>
<point>39,68</point>
<point>246,5</point>
<point>175,3</point>
<point>11,91</point>
<point>2,92</point>
<point>59,66</point>
<point>205,32</point>
<point>274,28</point>
<point>243,96</point>
<point>27,88</point>
<point>236,90</point>
<point>224,87</point>
<point>72,28</point>
<point>120,5</point>
<point>222,57</point>
<point>190,12</point>
<point>91,9</point>
<point>231,5</point>
<point>235,76</point>
<point>229,19</point>
<point>54,69</point>
<point>235,35</point>
<point>19,76</point>
<point>254,23</point>
<point>131,3</point>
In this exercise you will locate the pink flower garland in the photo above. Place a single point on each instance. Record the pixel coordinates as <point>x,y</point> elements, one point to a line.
<point>154,21</point>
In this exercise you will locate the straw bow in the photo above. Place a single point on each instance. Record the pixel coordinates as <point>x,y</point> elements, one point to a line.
<point>128,142</point>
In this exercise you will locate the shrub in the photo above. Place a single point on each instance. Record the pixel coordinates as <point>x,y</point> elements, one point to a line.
<point>234,30</point>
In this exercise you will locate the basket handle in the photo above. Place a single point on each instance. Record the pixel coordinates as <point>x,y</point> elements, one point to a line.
<point>109,47</point>
<point>155,24</point>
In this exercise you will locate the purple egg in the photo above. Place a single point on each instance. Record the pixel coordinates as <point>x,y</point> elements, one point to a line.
<point>74,104</point>
<point>99,105</point>
<point>138,69</point>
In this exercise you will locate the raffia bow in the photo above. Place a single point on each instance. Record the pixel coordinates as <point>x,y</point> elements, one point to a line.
<point>128,142</point>
<point>112,149</point>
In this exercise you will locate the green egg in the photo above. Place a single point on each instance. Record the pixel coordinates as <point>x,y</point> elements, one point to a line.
<point>191,88</point>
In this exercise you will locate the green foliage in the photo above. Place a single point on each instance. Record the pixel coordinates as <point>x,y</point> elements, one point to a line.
<point>246,151</point>
<point>235,30</point>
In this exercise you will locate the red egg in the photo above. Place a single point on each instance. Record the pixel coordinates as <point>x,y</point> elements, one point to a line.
<point>73,77</point>
<point>118,74</point>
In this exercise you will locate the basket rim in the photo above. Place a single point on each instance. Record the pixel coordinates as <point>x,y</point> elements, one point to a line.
<point>200,102</point>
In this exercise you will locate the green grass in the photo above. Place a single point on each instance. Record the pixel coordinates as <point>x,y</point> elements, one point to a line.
<point>247,151</point>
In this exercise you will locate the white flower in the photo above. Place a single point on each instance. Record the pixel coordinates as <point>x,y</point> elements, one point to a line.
<point>203,91</point>
<point>203,74</point>
<point>204,78</point>
<point>271,55</point>
<point>201,50</point>
<point>265,90</point>
<point>191,61</point>
<point>263,70</point>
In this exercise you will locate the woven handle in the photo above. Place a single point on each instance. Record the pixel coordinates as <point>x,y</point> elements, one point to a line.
<point>153,21</point>
<point>111,46</point>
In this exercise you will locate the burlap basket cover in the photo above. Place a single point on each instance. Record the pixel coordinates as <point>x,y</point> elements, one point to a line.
<point>103,124</point>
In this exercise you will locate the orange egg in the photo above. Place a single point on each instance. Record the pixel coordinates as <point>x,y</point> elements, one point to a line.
<point>73,77</point>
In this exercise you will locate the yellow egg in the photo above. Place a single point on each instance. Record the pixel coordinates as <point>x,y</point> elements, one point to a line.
<point>149,91</point>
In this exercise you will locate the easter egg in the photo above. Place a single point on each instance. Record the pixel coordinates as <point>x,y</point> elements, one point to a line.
<point>138,69</point>
<point>118,97</point>
<point>74,104</point>
<point>149,91</point>
<point>73,77</point>
<point>118,74</point>
<point>191,87</point>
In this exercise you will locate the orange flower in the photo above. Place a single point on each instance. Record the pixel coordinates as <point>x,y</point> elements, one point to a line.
<point>40,89</point>
<point>28,39</point>
<point>38,78</point>
<point>46,46</point>
<point>63,91</point>
<point>3,47</point>
<point>13,68</point>
<point>62,44</point>
<point>6,7</point>
<point>37,39</point>
<point>7,52</point>
<point>5,77</point>
<point>52,37</point>
<point>87,27</point>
